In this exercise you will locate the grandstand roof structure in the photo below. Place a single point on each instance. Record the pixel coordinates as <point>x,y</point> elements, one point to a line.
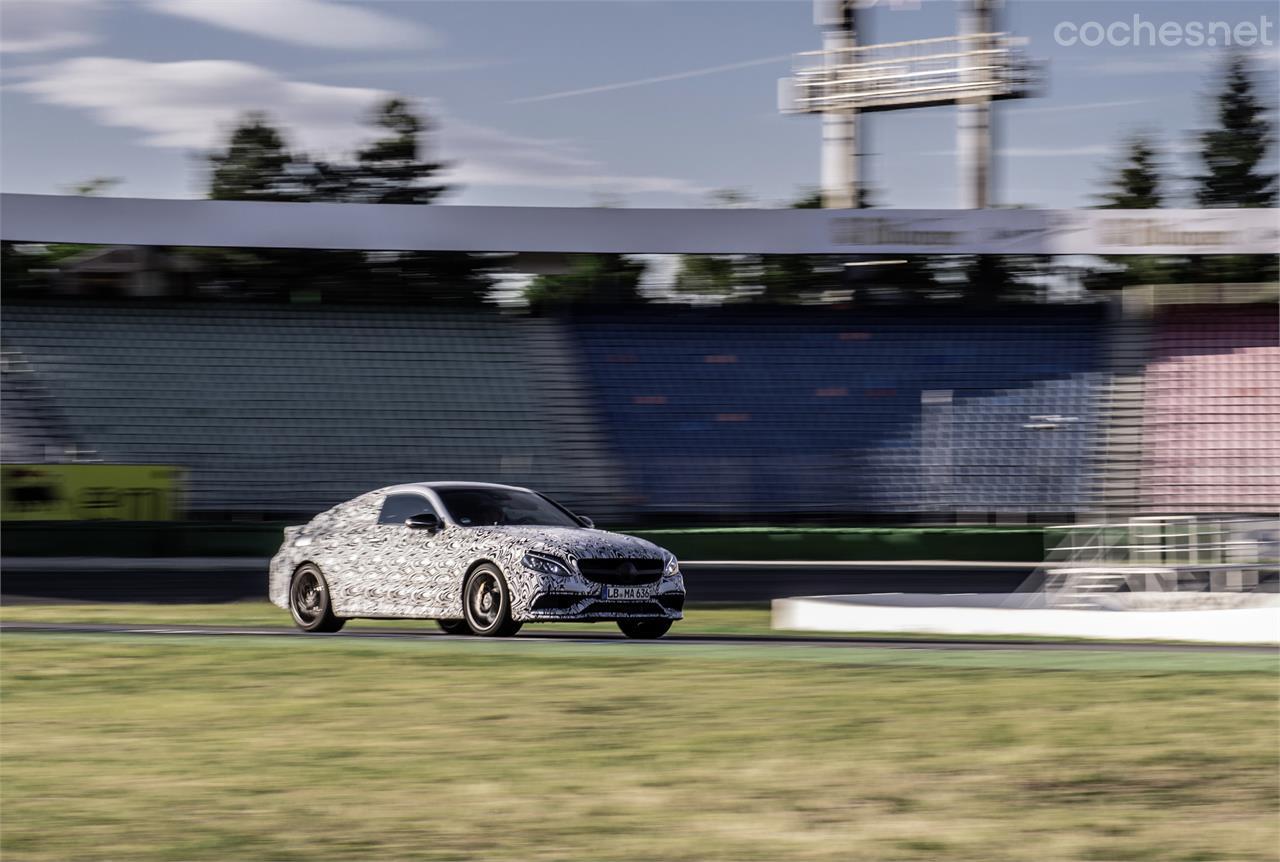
<point>139,221</point>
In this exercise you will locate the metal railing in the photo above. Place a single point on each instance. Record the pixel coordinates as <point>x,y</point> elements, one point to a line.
<point>1174,553</point>
<point>944,70</point>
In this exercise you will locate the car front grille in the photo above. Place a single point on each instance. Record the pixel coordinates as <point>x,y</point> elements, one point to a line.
<point>632,570</point>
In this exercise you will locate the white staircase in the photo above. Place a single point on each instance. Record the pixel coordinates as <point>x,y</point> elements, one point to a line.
<point>1078,589</point>
<point>1118,473</point>
<point>32,428</point>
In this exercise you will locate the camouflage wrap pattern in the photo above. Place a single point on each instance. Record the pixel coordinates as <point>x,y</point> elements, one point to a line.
<point>395,571</point>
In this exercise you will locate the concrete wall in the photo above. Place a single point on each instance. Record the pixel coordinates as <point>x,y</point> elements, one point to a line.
<point>1018,615</point>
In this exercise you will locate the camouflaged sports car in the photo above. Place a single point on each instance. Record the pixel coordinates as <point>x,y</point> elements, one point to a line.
<point>481,559</point>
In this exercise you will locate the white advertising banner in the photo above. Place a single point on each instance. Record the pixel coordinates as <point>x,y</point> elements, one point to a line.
<point>137,221</point>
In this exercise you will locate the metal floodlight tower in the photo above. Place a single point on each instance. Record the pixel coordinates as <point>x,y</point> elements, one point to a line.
<point>974,145</point>
<point>845,79</point>
<point>841,175</point>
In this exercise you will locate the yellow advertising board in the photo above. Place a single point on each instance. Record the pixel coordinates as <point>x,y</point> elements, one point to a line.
<point>91,492</point>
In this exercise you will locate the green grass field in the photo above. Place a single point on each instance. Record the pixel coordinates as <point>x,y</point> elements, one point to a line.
<point>167,748</point>
<point>705,619</point>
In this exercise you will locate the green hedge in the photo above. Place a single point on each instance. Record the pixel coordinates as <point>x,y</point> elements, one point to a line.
<point>123,539</point>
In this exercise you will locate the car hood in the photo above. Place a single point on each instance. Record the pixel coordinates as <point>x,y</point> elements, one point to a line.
<point>573,542</point>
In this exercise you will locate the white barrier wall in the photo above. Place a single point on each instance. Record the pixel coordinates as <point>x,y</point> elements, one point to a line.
<point>1003,614</point>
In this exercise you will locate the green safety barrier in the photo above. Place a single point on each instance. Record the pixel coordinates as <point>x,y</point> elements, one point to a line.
<point>992,544</point>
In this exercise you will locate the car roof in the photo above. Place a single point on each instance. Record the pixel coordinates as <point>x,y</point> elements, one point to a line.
<point>442,486</point>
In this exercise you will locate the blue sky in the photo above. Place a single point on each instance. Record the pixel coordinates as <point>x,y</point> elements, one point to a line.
<point>138,89</point>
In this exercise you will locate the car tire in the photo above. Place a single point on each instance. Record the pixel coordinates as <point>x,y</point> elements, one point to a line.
<point>309,603</point>
<point>486,602</point>
<point>644,629</point>
<point>454,627</point>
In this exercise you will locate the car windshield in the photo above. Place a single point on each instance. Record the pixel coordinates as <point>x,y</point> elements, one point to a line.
<point>485,507</point>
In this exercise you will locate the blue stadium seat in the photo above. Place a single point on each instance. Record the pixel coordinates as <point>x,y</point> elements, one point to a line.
<point>797,411</point>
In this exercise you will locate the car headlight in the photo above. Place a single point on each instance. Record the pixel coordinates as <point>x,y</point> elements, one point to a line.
<point>546,564</point>
<point>672,568</point>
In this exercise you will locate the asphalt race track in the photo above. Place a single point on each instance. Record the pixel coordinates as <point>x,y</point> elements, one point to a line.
<point>778,641</point>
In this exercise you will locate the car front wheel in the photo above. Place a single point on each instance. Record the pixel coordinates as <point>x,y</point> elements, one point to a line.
<point>644,629</point>
<point>454,627</point>
<point>309,601</point>
<point>487,603</point>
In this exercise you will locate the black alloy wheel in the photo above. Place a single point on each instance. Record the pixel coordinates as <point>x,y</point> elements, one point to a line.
<point>487,603</point>
<point>309,601</point>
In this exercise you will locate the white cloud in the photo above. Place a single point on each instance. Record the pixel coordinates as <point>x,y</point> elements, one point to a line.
<point>32,26</point>
<point>399,65</point>
<point>192,104</point>
<point>317,23</point>
<point>492,157</point>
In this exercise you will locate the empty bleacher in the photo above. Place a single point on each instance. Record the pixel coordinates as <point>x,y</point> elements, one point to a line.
<point>1211,430</point>
<point>32,429</point>
<point>283,410</point>
<point>747,411</point>
<point>911,411</point>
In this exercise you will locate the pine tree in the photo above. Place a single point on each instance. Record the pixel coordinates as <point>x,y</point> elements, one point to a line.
<point>391,169</point>
<point>1235,150</point>
<point>712,276</point>
<point>607,279</point>
<point>1136,185</point>
<point>254,166</point>
<point>257,166</point>
<point>1235,155</point>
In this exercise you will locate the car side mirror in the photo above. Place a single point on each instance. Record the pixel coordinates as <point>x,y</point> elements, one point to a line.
<point>424,521</point>
<point>586,522</point>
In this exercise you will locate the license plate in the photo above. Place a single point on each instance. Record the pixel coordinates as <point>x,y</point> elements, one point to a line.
<point>627,593</point>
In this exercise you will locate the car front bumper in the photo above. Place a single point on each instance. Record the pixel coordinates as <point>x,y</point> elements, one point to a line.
<point>576,598</point>
<point>576,607</point>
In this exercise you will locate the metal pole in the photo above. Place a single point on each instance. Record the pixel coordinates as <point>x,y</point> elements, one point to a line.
<point>840,128</point>
<point>975,131</point>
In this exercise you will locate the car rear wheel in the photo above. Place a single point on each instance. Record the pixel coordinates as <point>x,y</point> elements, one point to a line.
<point>454,627</point>
<point>644,629</point>
<point>487,603</point>
<point>309,601</point>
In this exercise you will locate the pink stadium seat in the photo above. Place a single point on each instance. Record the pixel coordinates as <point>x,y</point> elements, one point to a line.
<point>1212,419</point>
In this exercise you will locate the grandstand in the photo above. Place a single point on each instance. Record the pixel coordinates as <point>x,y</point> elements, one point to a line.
<point>1212,425</point>
<point>870,413</point>
<point>849,411</point>
<point>280,410</point>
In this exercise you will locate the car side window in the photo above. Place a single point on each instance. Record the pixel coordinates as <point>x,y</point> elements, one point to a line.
<point>398,507</point>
